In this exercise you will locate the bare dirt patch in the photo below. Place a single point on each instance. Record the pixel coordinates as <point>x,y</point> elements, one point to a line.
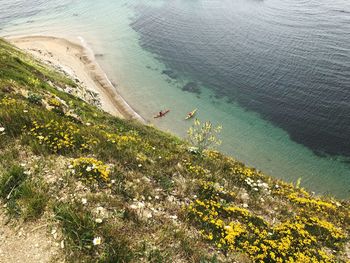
<point>27,243</point>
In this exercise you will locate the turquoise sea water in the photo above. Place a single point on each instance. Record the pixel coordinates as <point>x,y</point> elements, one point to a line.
<point>274,73</point>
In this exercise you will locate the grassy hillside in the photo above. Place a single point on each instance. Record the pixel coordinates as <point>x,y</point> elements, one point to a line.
<point>120,191</point>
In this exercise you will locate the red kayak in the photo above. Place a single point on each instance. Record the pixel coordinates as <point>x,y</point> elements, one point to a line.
<point>161,114</point>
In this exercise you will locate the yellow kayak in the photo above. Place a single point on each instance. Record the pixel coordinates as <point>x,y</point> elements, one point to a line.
<point>191,114</point>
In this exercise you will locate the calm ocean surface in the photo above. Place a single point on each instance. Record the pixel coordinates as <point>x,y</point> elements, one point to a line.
<point>274,73</point>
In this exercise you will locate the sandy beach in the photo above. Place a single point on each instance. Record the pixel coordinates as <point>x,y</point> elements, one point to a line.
<point>78,62</point>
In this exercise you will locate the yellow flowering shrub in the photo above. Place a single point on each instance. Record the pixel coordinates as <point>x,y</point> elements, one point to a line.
<point>7,102</point>
<point>311,203</point>
<point>243,170</point>
<point>232,228</point>
<point>212,154</point>
<point>57,137</point>
<point>209,190</point>
<point>33,81</point>
<point>90,170</point>
<point>123,141</point>
<point>54,102</point>
<point>88,143</point>
<point>196,170</point>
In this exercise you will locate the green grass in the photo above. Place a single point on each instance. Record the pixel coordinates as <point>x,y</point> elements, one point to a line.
<point>24,197</point>
<point>33,198</point>
<point>77,226</point>
<point>11,181</point>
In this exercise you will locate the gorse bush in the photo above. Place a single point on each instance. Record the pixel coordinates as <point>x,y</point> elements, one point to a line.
<point>90,170</point>
<point>300,239</point>
<point>54,102</point>
<point>58,137</point>
<point>122,141</point>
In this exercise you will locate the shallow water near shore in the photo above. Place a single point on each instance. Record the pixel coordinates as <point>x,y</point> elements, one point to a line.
<point>281,94</point>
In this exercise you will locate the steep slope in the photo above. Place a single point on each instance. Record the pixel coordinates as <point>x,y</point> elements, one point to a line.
<point>112,190</point>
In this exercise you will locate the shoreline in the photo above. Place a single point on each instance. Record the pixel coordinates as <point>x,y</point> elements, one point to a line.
<point>78,61</point>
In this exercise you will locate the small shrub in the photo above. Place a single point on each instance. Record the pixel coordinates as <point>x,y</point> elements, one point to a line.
<point>123,141</point>
<point>56,105</point>
<point>90,170</point>
<point>35,98</point>
<point>54,102</point>
<point>6,102</point>
<point>31,80</point>
<point>203,135</point>
<point>232,228</point>
<point>57,137</point>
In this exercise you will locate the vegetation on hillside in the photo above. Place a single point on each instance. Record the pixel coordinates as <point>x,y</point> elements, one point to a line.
<point>121,191</point>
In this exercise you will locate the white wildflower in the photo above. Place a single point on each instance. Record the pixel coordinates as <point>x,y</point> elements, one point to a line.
<point>98,220</point>
<point>140,165</point>
<point>84,201</point>
<point>88,169</point>
<point>2,129</point>
<point>245,205</point>
<point>100,210</point>
<point>97,241</point>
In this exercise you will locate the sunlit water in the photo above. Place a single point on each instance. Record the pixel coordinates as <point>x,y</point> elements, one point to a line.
<point>274,73</point>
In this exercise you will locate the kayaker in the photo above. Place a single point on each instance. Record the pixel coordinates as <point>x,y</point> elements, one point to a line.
<point>161,114</point>
<point>191,114</point>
